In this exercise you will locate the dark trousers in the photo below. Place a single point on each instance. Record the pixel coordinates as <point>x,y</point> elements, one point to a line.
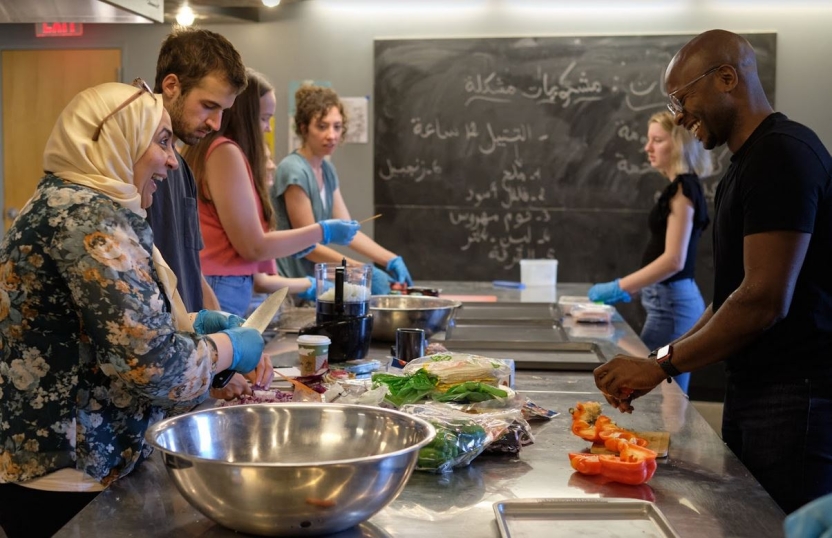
<point>782,431</point>
<point>32,513</point>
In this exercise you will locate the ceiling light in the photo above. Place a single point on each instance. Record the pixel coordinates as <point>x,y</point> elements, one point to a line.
<point>185,16</point>
<point>271,3</point>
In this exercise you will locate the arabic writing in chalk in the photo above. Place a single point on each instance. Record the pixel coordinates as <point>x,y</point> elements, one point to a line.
<point>493,137</point>
<point>417,171</point>
<point>515,185</point>
<point>624,163</point>
<point>544,89</point>
<point>509,236</point>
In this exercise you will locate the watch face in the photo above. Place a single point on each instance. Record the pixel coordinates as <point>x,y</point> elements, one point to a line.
<point>663,353</point>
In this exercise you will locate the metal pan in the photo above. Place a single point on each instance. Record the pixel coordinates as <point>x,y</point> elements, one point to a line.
<point>551,518</point>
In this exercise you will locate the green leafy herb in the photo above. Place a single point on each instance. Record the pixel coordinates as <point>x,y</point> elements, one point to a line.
<point>406,389</point>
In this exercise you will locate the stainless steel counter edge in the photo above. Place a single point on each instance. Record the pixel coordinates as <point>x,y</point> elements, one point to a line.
<point>701,487</point>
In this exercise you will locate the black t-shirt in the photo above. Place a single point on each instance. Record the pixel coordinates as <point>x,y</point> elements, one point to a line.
<point>657,222</point>
<point>780,179</point>
<point>174,219</point>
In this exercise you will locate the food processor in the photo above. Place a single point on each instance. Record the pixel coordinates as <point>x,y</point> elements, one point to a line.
<point>342,309</point>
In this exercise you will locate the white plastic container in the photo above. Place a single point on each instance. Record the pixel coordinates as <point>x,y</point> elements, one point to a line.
<point>592,313</point>
<point>568,301</point>
<point>313,350</point>
<point>539,272</point>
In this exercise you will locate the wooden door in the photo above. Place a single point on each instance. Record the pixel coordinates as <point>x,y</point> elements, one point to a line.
<point>37,85</point>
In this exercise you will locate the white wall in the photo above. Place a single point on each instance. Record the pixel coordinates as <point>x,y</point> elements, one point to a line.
<point>333,40</point>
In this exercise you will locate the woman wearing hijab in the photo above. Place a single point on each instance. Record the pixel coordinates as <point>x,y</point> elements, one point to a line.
<point>95,343</point>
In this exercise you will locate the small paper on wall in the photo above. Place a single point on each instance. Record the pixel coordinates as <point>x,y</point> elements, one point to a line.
<point>356,109</point>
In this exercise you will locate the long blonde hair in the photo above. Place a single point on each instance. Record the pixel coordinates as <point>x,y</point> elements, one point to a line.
<point>688,155</point>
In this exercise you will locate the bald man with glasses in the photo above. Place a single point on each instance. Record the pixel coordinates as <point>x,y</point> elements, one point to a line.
<point>771,317</point>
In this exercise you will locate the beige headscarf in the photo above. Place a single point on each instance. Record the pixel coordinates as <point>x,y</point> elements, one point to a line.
<point>106,165</point>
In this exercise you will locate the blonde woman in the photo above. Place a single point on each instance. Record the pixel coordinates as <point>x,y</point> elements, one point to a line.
<point>668,291</point>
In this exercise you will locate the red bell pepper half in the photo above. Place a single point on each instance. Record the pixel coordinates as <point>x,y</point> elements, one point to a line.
<point>634,465</point>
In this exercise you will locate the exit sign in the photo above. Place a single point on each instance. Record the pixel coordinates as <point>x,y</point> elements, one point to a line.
<point>59,29</point>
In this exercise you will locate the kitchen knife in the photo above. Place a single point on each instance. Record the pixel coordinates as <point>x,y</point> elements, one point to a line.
<point>259,319</point>
<point>263,314</point>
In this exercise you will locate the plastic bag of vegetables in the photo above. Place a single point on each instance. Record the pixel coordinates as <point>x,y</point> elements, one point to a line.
<point>453,368</point>
<point>460,437</point>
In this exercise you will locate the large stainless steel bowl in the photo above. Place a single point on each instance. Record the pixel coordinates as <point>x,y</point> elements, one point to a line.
<point>391,312</point>
<point>301,469</point>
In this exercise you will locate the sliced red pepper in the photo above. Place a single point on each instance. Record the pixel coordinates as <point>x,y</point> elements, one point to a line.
<point>587,420</point>
<point>635,465</point>
<point>586,411</point>
<point>624,472</point>
<point>585,463</point>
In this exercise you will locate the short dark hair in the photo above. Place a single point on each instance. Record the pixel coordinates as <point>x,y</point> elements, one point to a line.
<point>193,53</point>
<point>240,123</point>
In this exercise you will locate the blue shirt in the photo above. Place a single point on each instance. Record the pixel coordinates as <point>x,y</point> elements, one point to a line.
<point>294,169</point>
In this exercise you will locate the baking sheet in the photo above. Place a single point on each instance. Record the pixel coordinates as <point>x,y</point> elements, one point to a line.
<point>589,518</point>
<point>531,331</point>
<point>506,311</point>
<point>564,356</point>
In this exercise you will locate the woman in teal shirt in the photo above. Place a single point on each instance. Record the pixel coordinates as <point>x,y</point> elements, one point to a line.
<point>306,190</point>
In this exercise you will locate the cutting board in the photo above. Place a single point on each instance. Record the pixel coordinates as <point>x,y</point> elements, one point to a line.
<point>658,442</point>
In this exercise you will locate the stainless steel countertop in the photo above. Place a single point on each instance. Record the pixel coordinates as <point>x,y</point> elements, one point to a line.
<point>701,487</point>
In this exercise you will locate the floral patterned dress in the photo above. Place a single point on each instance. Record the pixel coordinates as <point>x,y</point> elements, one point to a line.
<point>89,356</point>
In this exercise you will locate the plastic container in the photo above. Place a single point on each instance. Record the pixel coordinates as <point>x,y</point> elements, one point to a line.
<point>356,291</point>
<point>568,301</point>
<point>313,350</point>
<point>539,272</point>
<point>592,313</point>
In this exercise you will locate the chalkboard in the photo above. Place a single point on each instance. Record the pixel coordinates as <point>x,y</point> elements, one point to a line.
<point>491,150</point>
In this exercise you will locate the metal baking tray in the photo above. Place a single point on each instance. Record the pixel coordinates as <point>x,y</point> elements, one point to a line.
<point>532,331</point>
<point>565,356</point>
<point>551,518</point>
<point>505,311</point>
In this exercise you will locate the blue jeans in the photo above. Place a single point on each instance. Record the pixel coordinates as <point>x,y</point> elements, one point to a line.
<point>672,309</point>
<point>233,292</point>
<point>781,431</point>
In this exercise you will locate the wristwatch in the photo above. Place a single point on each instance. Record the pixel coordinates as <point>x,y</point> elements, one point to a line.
<point>662,356</point>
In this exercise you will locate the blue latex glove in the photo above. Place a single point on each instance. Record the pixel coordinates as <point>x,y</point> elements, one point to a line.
<point>813,520</point>
<point>248,345</point>
<point>211,321</point>
<point>304,252</point>
<point>399,270</point>
<point>338,231</point>
<point>309,293</point>
<point>381,282</point>
<point>608,293</point>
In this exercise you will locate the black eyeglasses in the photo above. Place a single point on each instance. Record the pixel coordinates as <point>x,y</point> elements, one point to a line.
<point>142,86</point>
<point>675,105</point>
